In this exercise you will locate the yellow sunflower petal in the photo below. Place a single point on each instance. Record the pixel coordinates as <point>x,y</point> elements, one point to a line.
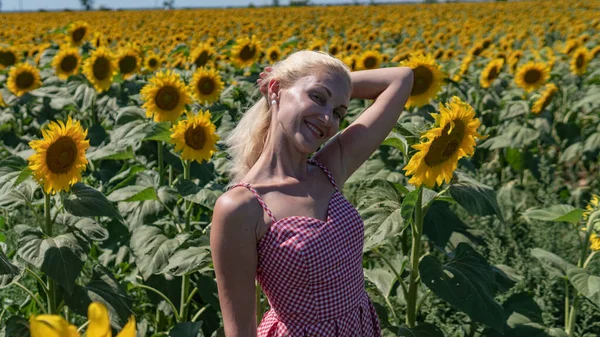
<point>99,321</point>
<point>129,328</point>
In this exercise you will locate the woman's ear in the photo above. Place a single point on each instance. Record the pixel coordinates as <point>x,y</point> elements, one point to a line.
<point>273,88</point>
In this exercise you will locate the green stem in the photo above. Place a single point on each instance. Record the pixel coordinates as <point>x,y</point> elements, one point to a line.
<point>415,254</point>
<point>203,309</point>
<point>185,281</point>
<point>39,279</point>
<point>170,175</point>
<point>566,304</point>
<point>161,165</point>
<point>589,259</point>
<point>396,273</point>
<point>259,312</point>
<point>51,295</point>
<point>164,297</point>
<point>40,305</point>
<point>183,306</point>
<point>83,326</point>
<point>93,107</point>
<point>572,316</point>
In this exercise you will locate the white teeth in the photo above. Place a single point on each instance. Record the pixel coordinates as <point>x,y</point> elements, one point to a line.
<point>313,128</point>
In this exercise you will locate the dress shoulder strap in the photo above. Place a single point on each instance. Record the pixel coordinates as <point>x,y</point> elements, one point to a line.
<point>260,200</point>
<point>319,164</point>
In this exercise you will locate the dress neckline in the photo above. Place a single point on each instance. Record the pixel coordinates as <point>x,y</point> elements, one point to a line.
<point>278,221</point>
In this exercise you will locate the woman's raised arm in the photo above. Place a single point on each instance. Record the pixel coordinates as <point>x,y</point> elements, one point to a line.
<point>233,246</point>
<point>390,88</point>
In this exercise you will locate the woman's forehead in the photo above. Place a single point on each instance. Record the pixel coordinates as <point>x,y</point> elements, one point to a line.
<point>337,84</point>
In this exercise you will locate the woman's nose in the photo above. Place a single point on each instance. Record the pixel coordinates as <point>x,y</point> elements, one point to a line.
<point>326,117</point>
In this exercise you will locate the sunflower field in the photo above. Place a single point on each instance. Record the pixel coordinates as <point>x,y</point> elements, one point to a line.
<point>481,207</point>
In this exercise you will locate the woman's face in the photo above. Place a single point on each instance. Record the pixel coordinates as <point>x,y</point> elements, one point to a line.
<point>310,111</point>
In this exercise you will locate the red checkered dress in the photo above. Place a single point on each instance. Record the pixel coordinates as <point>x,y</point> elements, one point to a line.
<point>311,271</point>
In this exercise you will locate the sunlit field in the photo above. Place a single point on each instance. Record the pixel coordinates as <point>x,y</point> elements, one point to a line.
<point>481,208</point>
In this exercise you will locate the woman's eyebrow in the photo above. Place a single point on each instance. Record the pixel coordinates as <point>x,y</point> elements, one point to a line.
<point>330,95</point>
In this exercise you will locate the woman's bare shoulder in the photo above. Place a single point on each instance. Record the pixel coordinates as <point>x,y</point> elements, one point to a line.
<point>236,207</point>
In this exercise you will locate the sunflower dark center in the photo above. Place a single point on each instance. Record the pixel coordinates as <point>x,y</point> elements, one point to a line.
<point>153,63</point>
<point>7,58</point>
<point>68,63</point>
<point>61,155</point>
<point>127,64</point>
<point>195,137</point>
<point>274,55</point>
<point>25,80</point>
<point>532,76</point>
<point>167,98</point>
<point>206,85</point>
<point>101,68</point>
<point>443,147</point>
<point>493,73</point>
<point>78,34</point>
<point>201,59</point>
<point>579,61</point>
<point>247,53</point>
<point>333,50</point>
<point>370,62</point>
<point>423,78</point>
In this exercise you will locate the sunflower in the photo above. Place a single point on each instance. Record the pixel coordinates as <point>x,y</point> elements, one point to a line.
<point>129,62</point>
<point>451,138</point>
<point>514,59</point>
<point>594,52</point>
<point>152,62</point>
<point>592,206</point>
<point>428,79</point>
<point>201,55</point>
<point>66,62</point>
<point>570,46</point>
<point>532,75</point>
<point>206,85</point>
<point>99,322</point>
<point>317,45</point>
<point>98,40</point>
<point>195,136</point>
<point>370,59</point>
<point>51,326</point>
<point>579,61</point>
<point>491,72</point>
<point>59,158</point>
<point>165,97</point>
<point>100,68</point>
<point>9,56</point>
<point>2,103</point>
<point>546,98</point>
<point>22,78</point>
<point>594,242</point>
<point>245,51</point>
<point>273,54</point>
<point>334,49</point>
<point>77,32</point>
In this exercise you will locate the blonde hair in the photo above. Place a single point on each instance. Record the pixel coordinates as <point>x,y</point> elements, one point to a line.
<point>247,140</point>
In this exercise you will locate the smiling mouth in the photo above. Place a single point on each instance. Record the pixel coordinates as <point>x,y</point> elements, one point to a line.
<point>314,129</point>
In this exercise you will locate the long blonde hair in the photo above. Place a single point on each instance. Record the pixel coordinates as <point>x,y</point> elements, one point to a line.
<point>247,140</point>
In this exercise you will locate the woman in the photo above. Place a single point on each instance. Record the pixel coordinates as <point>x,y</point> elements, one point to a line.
<point>289,227</point>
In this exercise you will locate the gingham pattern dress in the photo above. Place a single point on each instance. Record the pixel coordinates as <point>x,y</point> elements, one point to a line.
<point>311,271</point>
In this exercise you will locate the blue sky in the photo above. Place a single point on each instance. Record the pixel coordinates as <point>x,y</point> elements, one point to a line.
<point>13,5</point>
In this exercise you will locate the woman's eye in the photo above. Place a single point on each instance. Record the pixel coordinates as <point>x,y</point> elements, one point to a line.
<point>319,98</point>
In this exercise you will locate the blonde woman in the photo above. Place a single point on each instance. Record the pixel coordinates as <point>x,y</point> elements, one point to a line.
<point>283,221</point>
